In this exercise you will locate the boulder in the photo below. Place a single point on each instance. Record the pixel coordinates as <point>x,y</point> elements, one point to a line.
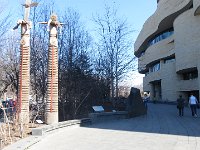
<point>135,105</point>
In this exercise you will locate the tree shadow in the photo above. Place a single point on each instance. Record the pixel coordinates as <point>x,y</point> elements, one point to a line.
<point>160,119</point>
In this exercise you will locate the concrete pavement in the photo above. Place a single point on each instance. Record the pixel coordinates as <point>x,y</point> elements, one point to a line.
<point>161,129</point>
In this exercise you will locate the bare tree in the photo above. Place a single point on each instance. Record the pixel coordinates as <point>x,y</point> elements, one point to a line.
<point>74,63</point>
<point>39,52</point>
<point>39,57</point>
<point>8,67</point>
<point>10,64</point>
<point>4,23</point>
<point>9,54</point>
<point>114,47</point>
<point>4,28</point>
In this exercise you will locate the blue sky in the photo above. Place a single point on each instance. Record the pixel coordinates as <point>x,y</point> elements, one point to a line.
<point>135,11</point>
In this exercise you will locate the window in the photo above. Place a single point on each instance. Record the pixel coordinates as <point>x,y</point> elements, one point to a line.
<point>155,67</point>
<point>141,54</point>
<point>190,75</point>
<point>157,38</point>
<point>161,36</point>
<point>169,60</point>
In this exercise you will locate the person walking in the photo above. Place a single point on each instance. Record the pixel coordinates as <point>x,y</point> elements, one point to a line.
<point>180,105</point>
<point>145,100</point>
<point>193,105</point>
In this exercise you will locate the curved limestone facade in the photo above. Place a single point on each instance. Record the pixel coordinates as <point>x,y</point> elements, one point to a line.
<point>168,50</point>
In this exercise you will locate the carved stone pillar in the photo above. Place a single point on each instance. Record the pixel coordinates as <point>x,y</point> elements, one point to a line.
<point>52,89</point>
<point>24,73</point>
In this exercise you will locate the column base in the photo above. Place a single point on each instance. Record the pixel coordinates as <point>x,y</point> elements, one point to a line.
<point>24,118</point>
<point>51,117</point>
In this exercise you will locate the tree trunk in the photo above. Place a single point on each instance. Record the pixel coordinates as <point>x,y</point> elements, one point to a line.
<point>117,88</point>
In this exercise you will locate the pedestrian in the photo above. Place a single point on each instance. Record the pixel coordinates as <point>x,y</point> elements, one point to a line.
<point>1,109</point>
<point>180,105</point>
<point>193,105</point>
<point>145,100</point>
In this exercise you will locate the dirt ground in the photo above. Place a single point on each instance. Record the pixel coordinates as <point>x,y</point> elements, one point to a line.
<point>10,132</point>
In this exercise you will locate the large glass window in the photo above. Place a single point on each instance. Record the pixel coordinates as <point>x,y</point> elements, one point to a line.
<point>161,36</point>
<point>157,38</point>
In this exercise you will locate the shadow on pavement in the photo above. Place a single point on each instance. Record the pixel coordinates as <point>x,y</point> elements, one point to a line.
<point>160,119</point>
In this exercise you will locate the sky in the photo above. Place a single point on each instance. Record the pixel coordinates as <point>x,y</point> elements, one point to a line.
<point>135,11</point>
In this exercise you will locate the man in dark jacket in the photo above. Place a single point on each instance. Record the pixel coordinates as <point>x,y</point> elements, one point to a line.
<point>180,105</point>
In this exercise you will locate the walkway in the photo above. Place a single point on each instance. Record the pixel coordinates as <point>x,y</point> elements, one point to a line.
<point>161,129</point>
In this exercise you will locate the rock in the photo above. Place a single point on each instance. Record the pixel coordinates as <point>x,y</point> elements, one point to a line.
<point>135,105</point>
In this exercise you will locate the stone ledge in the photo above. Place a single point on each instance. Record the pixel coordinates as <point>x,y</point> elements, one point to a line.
<point>49,128</point>
<point>23,144</point>
<point>104,116</point>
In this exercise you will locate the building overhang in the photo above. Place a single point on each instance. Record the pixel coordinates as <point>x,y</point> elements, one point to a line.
<point>164,24</point>
<point>186,70</point>
<point>197,11</point>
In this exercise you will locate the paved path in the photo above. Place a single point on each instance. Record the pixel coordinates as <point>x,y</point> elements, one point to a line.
<point>161,129</point>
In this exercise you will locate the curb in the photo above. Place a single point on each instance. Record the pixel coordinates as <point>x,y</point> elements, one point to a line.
<point>41,132</point>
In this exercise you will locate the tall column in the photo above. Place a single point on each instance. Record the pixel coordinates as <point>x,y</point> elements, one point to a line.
<point>24,73</point>
<point>24,70</point>
<point>52,89</point>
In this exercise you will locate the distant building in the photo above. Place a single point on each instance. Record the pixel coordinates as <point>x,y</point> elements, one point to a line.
<point>168,50</point>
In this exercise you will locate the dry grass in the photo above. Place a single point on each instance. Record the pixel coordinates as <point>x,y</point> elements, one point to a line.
<point>12,132</point>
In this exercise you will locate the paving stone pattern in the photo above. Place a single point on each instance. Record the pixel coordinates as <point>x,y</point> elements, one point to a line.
<point>160,129</point>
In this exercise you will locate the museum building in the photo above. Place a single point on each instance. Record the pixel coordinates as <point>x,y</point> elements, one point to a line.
<point>168,50</point>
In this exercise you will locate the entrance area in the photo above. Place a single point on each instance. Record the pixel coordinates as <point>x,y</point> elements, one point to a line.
<point>186,94</point>
<point>156,92</point>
